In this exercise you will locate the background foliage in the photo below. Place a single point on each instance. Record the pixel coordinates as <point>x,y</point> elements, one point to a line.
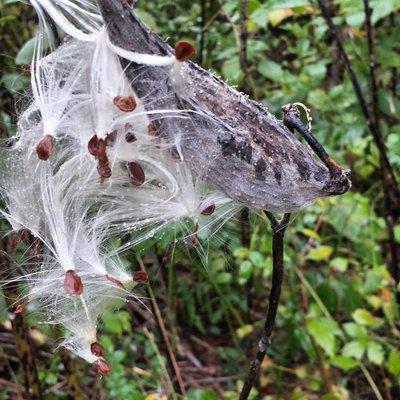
<point>337,331</point>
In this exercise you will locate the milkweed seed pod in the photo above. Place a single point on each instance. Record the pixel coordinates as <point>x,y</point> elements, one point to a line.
<point>125,135</point>
<point>231,142</point>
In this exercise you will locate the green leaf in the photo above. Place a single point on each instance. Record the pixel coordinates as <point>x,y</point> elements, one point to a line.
<point>320,253</point>
<point>393,363</point>
<point>354,349</point>
<point>354,330</point>
<point>231,70</point>
<point>339,264</point>
<point>271,70</point>
<point>15,83</point>
<point>397,233</point>
<point>244,330</point>
<point>344,363</point>
<point>245,270</point>
<point>25,55</point>
<point>323,330</point>
<point>375,353</point>
<point>201,394</point>
<point>364,317</point>
<point>257,259</point>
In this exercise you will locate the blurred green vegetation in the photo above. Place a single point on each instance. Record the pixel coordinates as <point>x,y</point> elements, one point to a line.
<point>337,333</point>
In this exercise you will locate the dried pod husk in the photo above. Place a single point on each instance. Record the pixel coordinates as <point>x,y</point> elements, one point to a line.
<point>136,174</point>
<point>73,283</point>
<point>116,281</point>
<point>101,367</point>
<point>184,50</point>
<point>209,210</point>
<point>93,145</point>
<point>97,349</point>
<point>125,103</point>
<point>20,307</point>
<point>141,277</point>
<point>45,148</point>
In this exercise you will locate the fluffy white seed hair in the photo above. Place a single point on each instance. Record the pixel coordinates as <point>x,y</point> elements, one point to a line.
<point>87,165</point>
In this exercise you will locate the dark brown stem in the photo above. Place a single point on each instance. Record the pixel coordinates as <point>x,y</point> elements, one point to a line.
<point>278,233</point>
<point>20,330</point>
<point>390,185</point>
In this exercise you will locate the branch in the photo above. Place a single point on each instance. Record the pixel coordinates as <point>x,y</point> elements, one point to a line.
<point>388,176</point>
<point>278,233</point>
<point>391,189</point>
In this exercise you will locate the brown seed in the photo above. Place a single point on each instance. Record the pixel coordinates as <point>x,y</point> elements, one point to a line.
<point>125,103</point>
<point>141,277</point>
<point>184,50</point>
<point>130,137</point>
<point>92,145</point>
<point>101,367</point>
<point>46,147</point>
<point>136,174</point>
<point>73,283</point>
<point>209,210</point>
<point>116,281</point>
<point>19,308</point>
<point>102,151</point>
<point>104,171</point>
<point>97,349</point>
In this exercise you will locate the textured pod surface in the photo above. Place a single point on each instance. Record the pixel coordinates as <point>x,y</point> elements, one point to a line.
<point>231,142</point>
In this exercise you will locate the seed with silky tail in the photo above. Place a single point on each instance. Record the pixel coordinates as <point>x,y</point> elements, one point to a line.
<point>73,283</point>
<point>46,147</point>
<point>125,103</point>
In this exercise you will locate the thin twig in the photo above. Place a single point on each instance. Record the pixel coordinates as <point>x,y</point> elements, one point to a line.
<point>161,325</point>
<point>278,233</point>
